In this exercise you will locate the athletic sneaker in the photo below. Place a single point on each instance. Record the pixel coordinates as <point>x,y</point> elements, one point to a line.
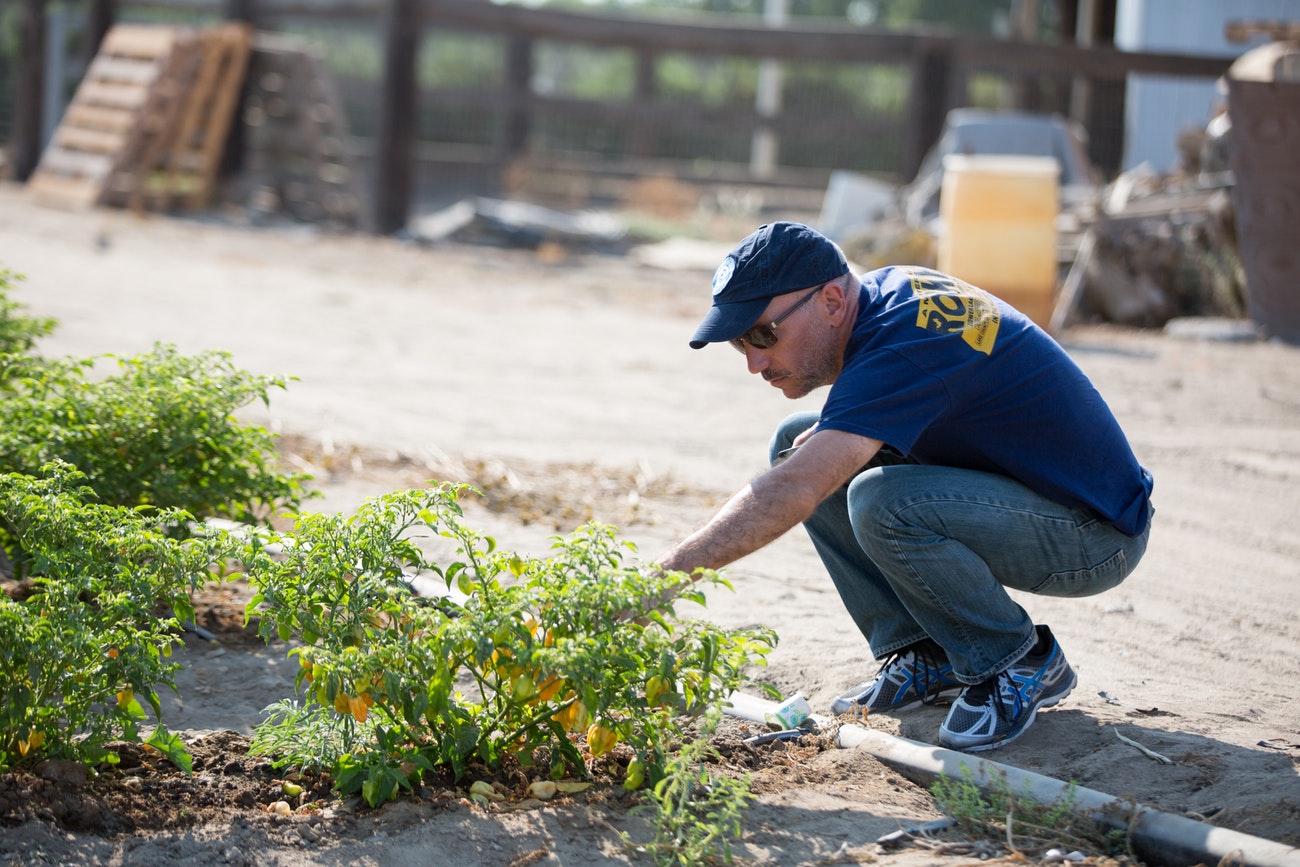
<point>915,675</point>
<point>989,714</point>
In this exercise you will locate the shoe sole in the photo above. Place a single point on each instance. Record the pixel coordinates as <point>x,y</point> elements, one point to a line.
<point>852,706</point>
<point>1051,701</point>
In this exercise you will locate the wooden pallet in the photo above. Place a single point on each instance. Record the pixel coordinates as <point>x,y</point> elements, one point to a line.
<point>148,123</point>
<point>179,166</point>
<point>298,160</point>
<point>1278,31</point>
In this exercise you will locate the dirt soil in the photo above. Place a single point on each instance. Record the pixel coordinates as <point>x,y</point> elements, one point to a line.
<point>561,383</point>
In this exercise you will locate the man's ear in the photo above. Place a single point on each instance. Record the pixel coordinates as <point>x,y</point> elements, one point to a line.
<point>836,302</point>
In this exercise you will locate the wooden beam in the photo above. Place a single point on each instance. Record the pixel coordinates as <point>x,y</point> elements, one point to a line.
<point>398,101</point>
<point>928,104</point>
<point>800,41</point>
<point>100,15</point>
<point>723,37</point>
<point>30,90</point>
<point>232,157</point>
<point>518,89</point>
<point>241,11</point>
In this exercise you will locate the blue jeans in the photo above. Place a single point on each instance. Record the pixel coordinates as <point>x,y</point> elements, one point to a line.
<point>919,551</point>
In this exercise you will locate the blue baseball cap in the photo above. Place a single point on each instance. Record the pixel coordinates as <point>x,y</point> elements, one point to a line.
<point>775,259</point>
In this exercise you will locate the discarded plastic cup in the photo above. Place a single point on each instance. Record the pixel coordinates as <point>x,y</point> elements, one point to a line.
<point>789,713</point>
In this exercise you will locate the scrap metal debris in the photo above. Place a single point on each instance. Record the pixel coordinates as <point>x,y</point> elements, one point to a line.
<point>1144,711</point>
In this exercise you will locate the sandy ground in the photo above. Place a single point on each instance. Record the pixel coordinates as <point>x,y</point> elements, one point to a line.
<point>552,364</point>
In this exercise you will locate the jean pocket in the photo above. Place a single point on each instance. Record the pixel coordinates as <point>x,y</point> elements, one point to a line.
<point>1086,582</point>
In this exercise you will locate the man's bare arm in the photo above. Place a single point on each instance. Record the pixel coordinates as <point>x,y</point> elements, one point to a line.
<point>782,497</point>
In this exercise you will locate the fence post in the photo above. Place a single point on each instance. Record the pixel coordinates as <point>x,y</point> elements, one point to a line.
<point>764,144</point>
<point>397,106</point>
<point>100,15</point>
<point>232,158</point>
<point>927,107</point>
<point>31,88</point>
<point>518,85</point>
<point>641,135</point>
<point>1085,34</point>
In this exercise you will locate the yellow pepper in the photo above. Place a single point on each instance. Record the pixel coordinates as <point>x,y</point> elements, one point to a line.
<point>654,689</point>
<point>33,742</point>
<point>574,717</point>
<point>549,688</point>
<point>600,739</point>
<point>581,716</point>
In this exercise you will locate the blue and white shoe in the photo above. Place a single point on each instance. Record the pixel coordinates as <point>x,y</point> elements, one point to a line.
<point>997,711</point>
<point>915,675</point>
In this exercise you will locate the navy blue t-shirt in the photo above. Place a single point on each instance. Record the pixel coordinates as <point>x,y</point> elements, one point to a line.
<point>949,375</point>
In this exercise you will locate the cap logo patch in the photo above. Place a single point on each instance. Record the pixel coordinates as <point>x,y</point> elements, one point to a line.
<point>722,276</point>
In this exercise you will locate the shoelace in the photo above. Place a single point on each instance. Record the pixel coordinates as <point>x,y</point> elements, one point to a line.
<point>931,664</point>
<point>991,690</point>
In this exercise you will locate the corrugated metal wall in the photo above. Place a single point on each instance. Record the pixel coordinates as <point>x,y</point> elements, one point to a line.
<point>1159,108</point>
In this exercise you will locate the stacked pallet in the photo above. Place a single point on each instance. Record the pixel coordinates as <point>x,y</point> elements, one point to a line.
<point>298,161</point>
<point>148,124</point>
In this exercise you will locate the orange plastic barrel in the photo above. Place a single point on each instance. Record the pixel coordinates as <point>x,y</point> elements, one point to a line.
<point>999,227</point>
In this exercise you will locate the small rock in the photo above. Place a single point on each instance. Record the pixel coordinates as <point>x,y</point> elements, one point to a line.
<point>63,771</point>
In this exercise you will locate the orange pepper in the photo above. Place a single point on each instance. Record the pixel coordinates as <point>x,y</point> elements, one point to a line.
<point>549,688</point>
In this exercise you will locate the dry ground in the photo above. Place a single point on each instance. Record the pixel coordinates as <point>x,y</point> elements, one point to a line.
<point>566,383</point>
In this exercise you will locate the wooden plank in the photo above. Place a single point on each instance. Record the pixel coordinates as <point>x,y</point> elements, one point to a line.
<point>30,81</point>
<point>98,117</point>
<point>64,192</point>
<point>157,130</point>
<point>180,163</point>
<point>58,161</point>
<point>141,40</point>
<point>92,140</point>
<point>163,163</point>
<point>126,96</point>
<point>235,42</point>
<point>399,105</point>
<point>123,69</point>
<point>1277,31</point>
<point>799,41</point>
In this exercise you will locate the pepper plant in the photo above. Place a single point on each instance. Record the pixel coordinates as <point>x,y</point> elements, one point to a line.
<point>18,331</point>
<point>94,640</point>
<point>161,432</point>
<point>553,661</point>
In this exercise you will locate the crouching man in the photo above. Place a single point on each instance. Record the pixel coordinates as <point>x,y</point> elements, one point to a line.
<point>959,452</point>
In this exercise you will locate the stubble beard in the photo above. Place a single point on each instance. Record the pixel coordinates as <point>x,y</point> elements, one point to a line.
<point>823,365</point>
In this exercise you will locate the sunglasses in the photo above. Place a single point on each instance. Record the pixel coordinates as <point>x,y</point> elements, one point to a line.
<point>763,336</point>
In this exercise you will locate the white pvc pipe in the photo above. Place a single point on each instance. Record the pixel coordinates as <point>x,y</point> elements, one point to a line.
<point>1159,838</point>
